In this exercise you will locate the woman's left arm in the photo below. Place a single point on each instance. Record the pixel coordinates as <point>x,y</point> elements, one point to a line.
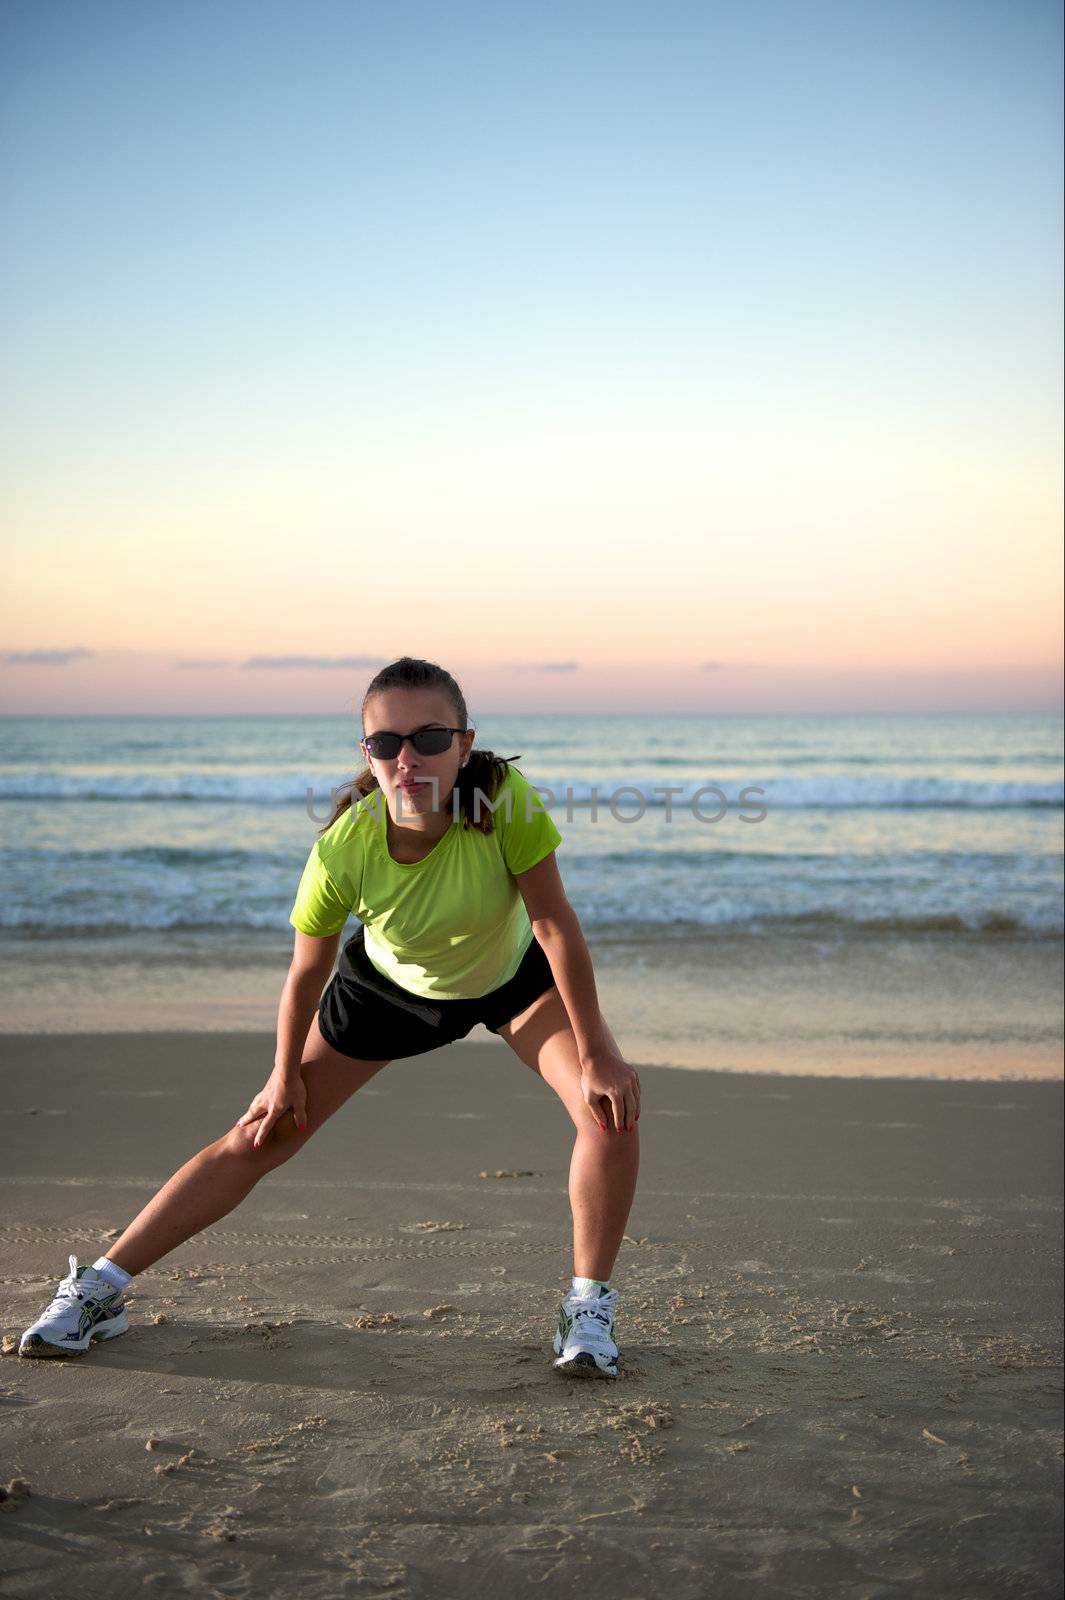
<point>610,1085</point>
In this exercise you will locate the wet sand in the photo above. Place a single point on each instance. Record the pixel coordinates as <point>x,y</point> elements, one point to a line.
<point>839,1322</point>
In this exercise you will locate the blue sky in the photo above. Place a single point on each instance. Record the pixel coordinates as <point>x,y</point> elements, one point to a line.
<point>425,268</point>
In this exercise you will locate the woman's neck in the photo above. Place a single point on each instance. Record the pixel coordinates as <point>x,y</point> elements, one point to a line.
<point>432,826</point>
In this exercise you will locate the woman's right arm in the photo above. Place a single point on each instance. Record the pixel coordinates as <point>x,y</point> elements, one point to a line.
<point>285,1089</point>
<point>312,963</point>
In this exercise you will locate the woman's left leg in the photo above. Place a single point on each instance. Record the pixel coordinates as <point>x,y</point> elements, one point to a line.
<point>603,1167</point>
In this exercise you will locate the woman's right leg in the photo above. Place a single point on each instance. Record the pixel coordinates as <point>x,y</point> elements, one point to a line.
<point>216,1180</point>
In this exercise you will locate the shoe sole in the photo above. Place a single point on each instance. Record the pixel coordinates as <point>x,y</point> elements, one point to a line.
<point>581,1364</point>
<point>39,1348</point>
<point>584,1365</point>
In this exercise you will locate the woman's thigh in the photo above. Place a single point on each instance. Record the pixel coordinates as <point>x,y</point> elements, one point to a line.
<point>329,1078</point>
<point>542,1036</point>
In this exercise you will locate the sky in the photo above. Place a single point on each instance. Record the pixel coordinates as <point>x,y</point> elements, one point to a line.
<point>617,357</point>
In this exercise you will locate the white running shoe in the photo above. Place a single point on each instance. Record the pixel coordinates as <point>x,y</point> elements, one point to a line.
<point>85,1307</point>
<point>584,1338</point>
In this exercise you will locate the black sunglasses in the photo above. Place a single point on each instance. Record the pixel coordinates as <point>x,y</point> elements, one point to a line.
<point>427,742</point>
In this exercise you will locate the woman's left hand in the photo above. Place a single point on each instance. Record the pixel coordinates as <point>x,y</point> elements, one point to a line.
<point>612,1089</point>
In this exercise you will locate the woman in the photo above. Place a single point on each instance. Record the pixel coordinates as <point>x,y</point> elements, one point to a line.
<point>447,859</point>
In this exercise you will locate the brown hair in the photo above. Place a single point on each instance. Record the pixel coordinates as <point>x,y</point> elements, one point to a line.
<point>484,771</point>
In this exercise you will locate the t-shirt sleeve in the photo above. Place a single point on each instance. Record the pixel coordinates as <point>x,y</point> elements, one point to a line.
<point>529,833</point>
<point>320,908</point>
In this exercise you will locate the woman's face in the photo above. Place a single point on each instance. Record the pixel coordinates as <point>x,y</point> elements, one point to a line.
<point>405,779</point>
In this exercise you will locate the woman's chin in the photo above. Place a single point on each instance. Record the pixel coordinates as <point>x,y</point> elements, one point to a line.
<point>409,801</point>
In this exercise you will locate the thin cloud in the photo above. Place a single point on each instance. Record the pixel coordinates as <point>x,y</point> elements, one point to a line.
<point>543,666</point>
<point>725,666</point>
<point>301,663</point>
<point>43,658</point>
<point>185,666</point>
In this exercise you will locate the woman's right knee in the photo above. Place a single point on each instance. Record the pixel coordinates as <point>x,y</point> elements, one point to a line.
<point>330,1079</point>
<point>281,1143</point>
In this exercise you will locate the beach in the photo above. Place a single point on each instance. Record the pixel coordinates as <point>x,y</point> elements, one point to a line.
<point>485,474</point>
<point>839,1319</point>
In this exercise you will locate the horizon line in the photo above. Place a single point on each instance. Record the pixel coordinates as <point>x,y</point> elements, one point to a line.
<point>687,711</point>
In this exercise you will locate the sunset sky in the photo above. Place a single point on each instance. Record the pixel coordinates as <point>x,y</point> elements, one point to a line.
<point>617,356</point>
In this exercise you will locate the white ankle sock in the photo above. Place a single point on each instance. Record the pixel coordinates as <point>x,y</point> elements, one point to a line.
<point>113,1274</point>
<point>589,1286</point>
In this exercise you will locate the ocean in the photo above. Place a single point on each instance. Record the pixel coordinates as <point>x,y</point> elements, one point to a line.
<point>843,893</point>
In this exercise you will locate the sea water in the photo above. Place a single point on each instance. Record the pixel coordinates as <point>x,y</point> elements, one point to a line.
<point>745,882</point>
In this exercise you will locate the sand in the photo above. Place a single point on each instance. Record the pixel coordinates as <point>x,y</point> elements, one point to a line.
<point>839,1322</point>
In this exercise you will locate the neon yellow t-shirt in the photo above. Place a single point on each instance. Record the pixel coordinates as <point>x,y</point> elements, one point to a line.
<point>452,926</point>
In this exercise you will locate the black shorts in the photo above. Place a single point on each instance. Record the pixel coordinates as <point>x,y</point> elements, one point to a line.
<point>365,1015</point>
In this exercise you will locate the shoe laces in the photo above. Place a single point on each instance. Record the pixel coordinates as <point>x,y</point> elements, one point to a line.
<point>593,1315</point>
<point>73,1288</point>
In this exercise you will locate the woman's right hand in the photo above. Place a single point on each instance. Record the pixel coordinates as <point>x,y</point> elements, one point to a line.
<point>281,1092</point>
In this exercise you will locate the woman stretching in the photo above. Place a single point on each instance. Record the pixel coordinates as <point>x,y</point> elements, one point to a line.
<point>446,856</point>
